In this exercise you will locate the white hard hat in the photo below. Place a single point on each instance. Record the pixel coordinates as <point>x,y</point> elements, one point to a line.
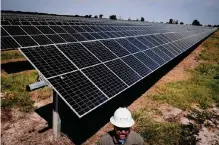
<point>122,118</point>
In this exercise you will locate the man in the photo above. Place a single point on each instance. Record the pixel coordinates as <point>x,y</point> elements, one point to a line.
<point>122,133</point>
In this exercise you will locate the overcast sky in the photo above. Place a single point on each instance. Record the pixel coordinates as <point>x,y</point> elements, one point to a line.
<point>206,11</point>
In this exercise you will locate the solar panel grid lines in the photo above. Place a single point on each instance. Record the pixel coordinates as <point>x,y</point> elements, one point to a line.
<point>83,96</point>
<point>107,80</point>
<point>87,48</point>
<point>78,54</point>
<point>48,60</point>
<point>137,65</point>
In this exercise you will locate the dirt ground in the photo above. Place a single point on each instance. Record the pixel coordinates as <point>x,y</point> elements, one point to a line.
<point>24,129</point>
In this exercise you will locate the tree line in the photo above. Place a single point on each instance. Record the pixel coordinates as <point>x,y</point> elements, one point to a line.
<point>112,17</point>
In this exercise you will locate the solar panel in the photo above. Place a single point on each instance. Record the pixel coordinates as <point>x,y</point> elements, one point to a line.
<point>147,60</point>
<point>115,47</point>
<point>68,37</point>
<point>99,50</point>
<point>8,43</point>
<point>78,92</point>
<point>49,61</point>
<point>138,66</point>
<point>14,30</point>
<point>25,41</point>
<point>127,45</point>
<point>126,73</point>
<point>42,39</point>
<point>88,62</point>
<point>78,54</point>
<point>108,82</point>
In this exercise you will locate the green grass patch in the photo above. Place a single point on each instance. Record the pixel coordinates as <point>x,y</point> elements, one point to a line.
<point>13,87</point>
<point>11,55</point>
<point>164,133</point>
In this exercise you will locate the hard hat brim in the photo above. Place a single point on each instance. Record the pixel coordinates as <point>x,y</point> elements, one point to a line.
<point>126,124</point>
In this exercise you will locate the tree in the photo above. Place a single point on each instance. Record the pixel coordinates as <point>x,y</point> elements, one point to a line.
<point>176,22</point>
<point>90,16</point>
<point>171,21</point>
<point>142,19</point>
<point>86,16</point>
<point>95,16</point>
<point>113,17</point>
<point>137,20</point>
<point>129,19</point>
<point>101,16</point>
<point>196,23</point>
<point>181,23</point>
<point>77,16</point>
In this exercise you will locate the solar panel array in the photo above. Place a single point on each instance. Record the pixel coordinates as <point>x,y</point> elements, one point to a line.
<point>90,61</point>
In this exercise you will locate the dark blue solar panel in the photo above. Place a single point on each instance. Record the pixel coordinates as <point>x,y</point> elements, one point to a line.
<point>105,80</point>
<point>138,66</point>
<point>147,60</point>
<point>115,47</point>
<point>128,75</point>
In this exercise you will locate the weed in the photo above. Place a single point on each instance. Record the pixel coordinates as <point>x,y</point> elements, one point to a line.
<point>7,56</point>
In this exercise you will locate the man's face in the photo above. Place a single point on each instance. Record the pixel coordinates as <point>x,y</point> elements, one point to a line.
<point>121,133</point>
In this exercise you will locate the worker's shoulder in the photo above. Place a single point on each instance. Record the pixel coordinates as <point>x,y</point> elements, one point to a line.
<point>135,136</point>
<point>106,138</point>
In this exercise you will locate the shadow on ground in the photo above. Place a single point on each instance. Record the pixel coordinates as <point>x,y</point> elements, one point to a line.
<point>79,130</point>
<point>15,67</point>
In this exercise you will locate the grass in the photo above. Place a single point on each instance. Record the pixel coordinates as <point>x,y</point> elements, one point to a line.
<point>12,55</point>
<point>164,133</point>
<point>14,90</point>
<point>201,88</point>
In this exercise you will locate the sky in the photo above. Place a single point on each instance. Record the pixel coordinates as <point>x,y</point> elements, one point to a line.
<point>206,11</point>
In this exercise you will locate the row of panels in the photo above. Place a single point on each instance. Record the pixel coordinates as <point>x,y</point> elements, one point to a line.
<point>24,36</point>
<point>89,74</point>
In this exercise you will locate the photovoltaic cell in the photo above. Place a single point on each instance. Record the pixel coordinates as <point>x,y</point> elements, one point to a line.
<point>138,66</point>
<point>57,29</point>
<point>127,45</point>
<point>78,54</point>
<point>42,39</point>
<point>99,50</point>
<point>123,71</point>
<point>78,29</point>
<point>109,83</point>
<point>68,38</point>
<point>103,35</point>
<point>166,51</point>
<point>96,36</point>
<point>147,60</point>
<point>137,43</point>
<point>31,30</point>
<point>161,53</point>
<point>56,38</point>
<point>3,32</point>
<point>79,37</point>
<point>78,91</point>
<point>25,41</point>
<point>14,30</point>
<point>115,47</point>
<point>45,29</point>
<point>49,61</point>
<point>8,43</point>
<point>88,36</point>
<point>69,29</point>
<point>151,40</point>
<point>155,57</point>
<point>145,41</point>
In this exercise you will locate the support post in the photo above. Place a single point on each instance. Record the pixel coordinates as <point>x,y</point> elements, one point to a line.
<point>56,117</point>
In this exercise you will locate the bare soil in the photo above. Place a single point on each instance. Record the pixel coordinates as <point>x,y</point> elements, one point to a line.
<point>24,128</point>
